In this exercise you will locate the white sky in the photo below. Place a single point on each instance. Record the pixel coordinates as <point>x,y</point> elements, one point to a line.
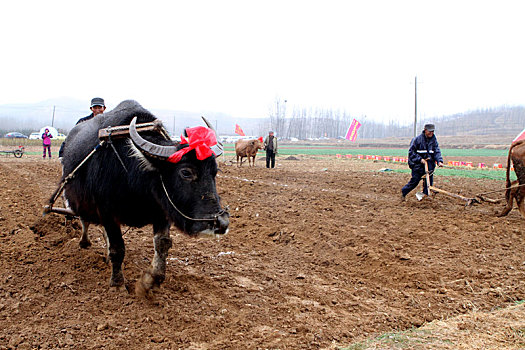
<point>236,57</point>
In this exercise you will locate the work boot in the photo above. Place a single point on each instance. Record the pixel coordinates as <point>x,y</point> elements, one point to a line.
<point>402,199</point>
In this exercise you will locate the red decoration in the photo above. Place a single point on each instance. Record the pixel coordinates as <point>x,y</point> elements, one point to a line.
<point>200,139</point>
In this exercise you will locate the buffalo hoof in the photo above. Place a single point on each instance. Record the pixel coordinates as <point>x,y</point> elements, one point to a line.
<point>116,280</point>
<point>147,284</point>
<point>120,289</point>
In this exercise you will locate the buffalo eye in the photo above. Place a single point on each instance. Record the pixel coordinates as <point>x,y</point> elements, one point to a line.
<point>187,173</point>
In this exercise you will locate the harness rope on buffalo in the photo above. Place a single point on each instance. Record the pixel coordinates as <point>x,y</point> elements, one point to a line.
<point>105,135</point>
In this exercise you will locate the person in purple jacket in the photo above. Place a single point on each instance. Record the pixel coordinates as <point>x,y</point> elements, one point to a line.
<point>46,138</point>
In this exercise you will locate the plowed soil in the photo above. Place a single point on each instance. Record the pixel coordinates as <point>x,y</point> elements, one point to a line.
<point>321,253</point>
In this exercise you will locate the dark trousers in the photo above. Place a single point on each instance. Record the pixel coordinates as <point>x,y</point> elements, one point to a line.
<point>270,158</point>
<point>48,147</point>
<point>418,173</point>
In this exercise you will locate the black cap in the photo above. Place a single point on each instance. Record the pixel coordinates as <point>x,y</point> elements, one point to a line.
<point>430,127</point>
<point>97,101</point>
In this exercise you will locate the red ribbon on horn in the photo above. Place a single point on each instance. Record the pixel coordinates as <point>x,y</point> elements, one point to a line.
<point>200,139</point>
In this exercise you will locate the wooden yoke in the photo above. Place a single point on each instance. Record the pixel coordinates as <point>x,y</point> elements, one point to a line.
<point>123,130</point>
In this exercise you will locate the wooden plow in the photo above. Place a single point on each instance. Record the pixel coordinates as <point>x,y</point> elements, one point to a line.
<point>420,195</point>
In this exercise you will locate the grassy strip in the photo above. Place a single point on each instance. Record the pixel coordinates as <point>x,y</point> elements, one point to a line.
<point>395,152</point>
<point>473,174</point>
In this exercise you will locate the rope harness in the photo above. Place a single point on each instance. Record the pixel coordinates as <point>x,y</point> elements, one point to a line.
<point>215,217</point>
<point>70,176</point>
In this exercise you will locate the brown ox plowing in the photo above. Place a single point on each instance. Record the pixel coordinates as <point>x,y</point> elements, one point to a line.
<point>516,189</point>
<point>247,148</point>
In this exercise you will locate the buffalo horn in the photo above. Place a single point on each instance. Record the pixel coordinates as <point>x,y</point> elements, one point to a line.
<point>147,147</point>
<point>218,148</point>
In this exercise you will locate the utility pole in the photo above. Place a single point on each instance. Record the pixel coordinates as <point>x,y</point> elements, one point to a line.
<point>415,106</point>
<point>173,126</point>
<point>53,120</point>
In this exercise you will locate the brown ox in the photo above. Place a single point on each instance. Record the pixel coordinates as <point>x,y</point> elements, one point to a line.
<point>247,148</point>
<point>516,189</point>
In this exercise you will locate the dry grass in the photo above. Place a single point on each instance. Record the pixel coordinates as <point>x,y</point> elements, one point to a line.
<point>499,329</point>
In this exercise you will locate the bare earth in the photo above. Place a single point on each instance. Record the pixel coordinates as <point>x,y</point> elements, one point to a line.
<point>320,254</point>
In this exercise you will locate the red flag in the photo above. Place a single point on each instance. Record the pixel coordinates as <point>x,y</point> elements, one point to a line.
<point>351,134</point>
<point>520,136</point>
<point>238,130</point>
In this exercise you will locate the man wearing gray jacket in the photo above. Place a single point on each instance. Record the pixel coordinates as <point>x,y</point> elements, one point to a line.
<point>270,146</point>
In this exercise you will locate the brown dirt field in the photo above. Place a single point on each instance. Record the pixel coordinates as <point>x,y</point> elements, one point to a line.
<point>320,254</point>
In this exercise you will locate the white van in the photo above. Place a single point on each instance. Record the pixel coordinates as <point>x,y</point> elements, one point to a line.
<point>35,136</point>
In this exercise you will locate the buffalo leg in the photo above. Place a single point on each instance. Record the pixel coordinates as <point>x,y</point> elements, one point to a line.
<point>508,207</point>
<point>521,203</point>
<point>84,240</point>
<point>156,273</point>
<point>116,253</point>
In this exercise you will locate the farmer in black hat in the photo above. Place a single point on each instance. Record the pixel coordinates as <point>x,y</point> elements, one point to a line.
<point>423,149</point>
<point>97,107</point>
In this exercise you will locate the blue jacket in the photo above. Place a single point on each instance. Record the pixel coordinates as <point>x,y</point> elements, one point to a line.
<point>422,147</point>
<point>85,119</point>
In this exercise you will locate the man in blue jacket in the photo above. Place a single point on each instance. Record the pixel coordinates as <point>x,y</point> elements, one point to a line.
<point>423,149</point>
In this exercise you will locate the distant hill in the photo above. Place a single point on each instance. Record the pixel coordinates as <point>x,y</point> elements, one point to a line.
<point>503,121</point>
<point>32,116</point>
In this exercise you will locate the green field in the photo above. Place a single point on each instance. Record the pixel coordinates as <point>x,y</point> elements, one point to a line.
<point>447,171</point>
<point>472,173</point>
<point>397,152</point>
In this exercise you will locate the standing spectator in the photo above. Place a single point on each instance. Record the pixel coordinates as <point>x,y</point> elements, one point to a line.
<point>424,148</point>
<point>270,146</point>
<point>97,107</point>
<point>46,140</point>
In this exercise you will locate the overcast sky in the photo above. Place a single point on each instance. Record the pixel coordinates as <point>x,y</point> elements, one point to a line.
<point>237,57</point>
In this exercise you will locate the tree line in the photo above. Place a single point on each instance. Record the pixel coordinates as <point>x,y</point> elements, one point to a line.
<point>314,123</point>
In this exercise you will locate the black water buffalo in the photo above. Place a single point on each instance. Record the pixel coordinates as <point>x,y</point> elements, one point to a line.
<point>139,180</point>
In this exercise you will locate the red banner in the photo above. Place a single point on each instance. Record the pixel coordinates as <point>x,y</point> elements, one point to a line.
<point>351,134</point>
<point>238,130</point>
<point>520,136</point>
